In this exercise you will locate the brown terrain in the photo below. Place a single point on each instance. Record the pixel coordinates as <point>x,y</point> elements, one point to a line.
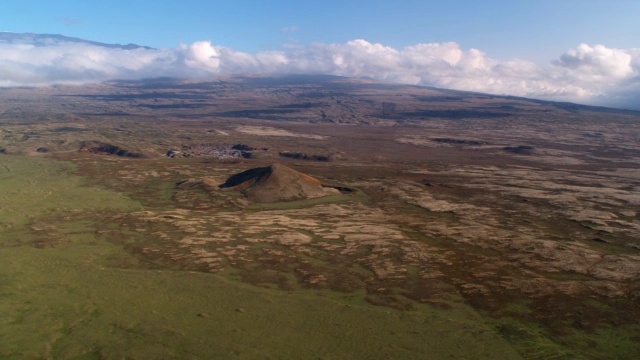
<point>522,209</point>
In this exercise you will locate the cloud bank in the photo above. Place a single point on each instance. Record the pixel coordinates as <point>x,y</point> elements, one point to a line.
<point>586,74</point>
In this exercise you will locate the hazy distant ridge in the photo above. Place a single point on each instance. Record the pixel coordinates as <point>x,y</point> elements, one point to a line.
<point>55,39</point>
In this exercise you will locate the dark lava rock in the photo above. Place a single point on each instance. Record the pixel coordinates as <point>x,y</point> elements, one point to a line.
<point>341,189</point>
<point>459,141</point>
<point>106,149</point>
<point>172,153</point>
<point>242,147</point>
<point>521,150</point>
<point>427,182</point>
<point>303,156</point>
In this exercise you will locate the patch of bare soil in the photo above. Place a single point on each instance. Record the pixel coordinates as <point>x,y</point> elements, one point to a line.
<point>270,131</point>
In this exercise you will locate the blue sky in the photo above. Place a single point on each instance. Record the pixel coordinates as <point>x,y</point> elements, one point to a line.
<point>534,30</point>
<point>568,50</point>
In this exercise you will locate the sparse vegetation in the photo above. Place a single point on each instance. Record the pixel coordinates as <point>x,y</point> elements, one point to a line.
<point>448,243</point>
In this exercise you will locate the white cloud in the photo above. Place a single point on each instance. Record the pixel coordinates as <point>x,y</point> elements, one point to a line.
<point>201,55</point>
<point>587,74</point>
<point>599,63</point>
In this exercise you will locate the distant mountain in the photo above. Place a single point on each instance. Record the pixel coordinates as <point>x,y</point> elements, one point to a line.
<point>185,62</point>
<point>54,39</point>
<point>318,99</point>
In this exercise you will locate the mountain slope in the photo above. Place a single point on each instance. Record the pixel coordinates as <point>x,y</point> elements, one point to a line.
<point>42,40</point>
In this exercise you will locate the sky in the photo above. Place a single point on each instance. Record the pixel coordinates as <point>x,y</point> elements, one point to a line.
<point>585,51</point>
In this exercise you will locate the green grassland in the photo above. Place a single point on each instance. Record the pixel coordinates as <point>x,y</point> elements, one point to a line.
<point>31,187</point>
<point>67,294</point>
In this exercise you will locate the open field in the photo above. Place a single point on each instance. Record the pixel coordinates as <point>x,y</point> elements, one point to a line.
<point>478,226</point>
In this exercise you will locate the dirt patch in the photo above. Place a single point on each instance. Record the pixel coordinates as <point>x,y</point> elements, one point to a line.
<point>270,131</point>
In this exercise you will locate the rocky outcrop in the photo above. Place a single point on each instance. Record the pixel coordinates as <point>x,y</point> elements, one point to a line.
<point>100,148</point>
<point>521,149</point>
<point>303,156</point>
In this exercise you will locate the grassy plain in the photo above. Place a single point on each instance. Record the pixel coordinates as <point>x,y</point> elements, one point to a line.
<point>481,226</point>
<point>32,187</point>
<point>67,294</point>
